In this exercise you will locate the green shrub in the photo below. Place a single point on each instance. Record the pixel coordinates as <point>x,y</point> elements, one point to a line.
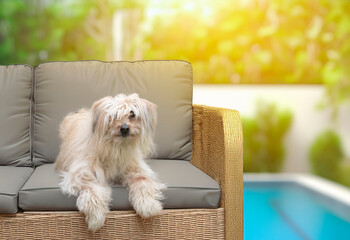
<point>326,155</point>
<point>263,138</point>
<point>345,173</point>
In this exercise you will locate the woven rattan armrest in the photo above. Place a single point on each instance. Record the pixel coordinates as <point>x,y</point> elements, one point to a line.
<point>218,151</point>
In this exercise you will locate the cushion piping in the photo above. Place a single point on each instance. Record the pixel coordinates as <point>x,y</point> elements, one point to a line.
<point>168,60</point>
<point>54,188</point>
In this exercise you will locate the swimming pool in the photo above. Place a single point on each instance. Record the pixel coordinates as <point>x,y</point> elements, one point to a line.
<point>295,208</point>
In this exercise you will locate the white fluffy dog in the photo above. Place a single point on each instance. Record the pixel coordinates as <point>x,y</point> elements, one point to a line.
<point>105,144</point>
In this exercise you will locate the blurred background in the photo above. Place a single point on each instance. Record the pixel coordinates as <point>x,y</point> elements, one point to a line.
<point>285,65</point>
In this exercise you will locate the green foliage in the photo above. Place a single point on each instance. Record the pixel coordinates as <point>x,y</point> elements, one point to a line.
<point>263,138</point>
<point>328,160</point>
<point>337,89</point>
<point>291,41</point>
<point>326,154</point>
<point>35,31</point>
<point>345,173</point>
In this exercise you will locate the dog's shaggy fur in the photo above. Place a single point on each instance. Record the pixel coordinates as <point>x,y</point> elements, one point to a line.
<point>105,144</point>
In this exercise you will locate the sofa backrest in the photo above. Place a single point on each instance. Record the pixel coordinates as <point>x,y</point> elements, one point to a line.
<point>15,110</point>
<point>63,87</point>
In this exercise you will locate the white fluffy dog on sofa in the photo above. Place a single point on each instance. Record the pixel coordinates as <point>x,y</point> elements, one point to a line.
<point>109,143</point>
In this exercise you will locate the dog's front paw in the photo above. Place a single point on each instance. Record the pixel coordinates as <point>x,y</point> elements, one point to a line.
<point>94,206</point>
<point>148,207</point>
<point>145,195</point>
<point>95,221</point>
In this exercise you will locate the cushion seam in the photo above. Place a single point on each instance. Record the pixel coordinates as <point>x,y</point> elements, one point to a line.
<point>31,120</point>
<point>9,194</point>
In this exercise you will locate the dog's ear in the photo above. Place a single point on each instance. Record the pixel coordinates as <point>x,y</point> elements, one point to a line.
<point>96,111</point>
<point>152,115</point>
<point>133,96</point>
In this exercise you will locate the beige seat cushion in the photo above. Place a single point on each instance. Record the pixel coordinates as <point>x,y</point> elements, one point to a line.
<point>15,102</point>
<point>188,187</point>
<point>62,87</point>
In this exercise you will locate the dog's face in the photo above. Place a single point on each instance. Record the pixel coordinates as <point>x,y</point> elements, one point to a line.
<point>123,117</point>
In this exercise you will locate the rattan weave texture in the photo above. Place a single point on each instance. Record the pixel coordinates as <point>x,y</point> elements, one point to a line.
<point>171,224</point>
<point>218,151</point>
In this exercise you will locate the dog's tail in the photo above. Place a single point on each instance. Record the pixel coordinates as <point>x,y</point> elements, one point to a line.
<point>70,121</point>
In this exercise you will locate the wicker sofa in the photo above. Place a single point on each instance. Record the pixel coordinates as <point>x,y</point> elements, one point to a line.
<point>199,153</point>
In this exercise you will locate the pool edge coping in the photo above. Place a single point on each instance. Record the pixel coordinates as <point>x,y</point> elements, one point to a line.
<point>318,184</point>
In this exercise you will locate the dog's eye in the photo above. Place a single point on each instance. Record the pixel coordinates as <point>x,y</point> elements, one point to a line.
<point>132,114</point>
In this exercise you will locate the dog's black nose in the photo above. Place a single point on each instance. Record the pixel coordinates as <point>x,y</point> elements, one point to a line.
<point>124,129</point>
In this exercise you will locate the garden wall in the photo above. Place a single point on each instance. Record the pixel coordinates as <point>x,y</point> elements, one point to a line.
<point>301,100</point>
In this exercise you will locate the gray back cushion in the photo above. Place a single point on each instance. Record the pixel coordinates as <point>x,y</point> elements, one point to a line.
<point>63,87</point>
<point>15,103</point>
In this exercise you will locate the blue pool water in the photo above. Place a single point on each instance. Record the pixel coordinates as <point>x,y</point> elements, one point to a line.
<point>291,212</point>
